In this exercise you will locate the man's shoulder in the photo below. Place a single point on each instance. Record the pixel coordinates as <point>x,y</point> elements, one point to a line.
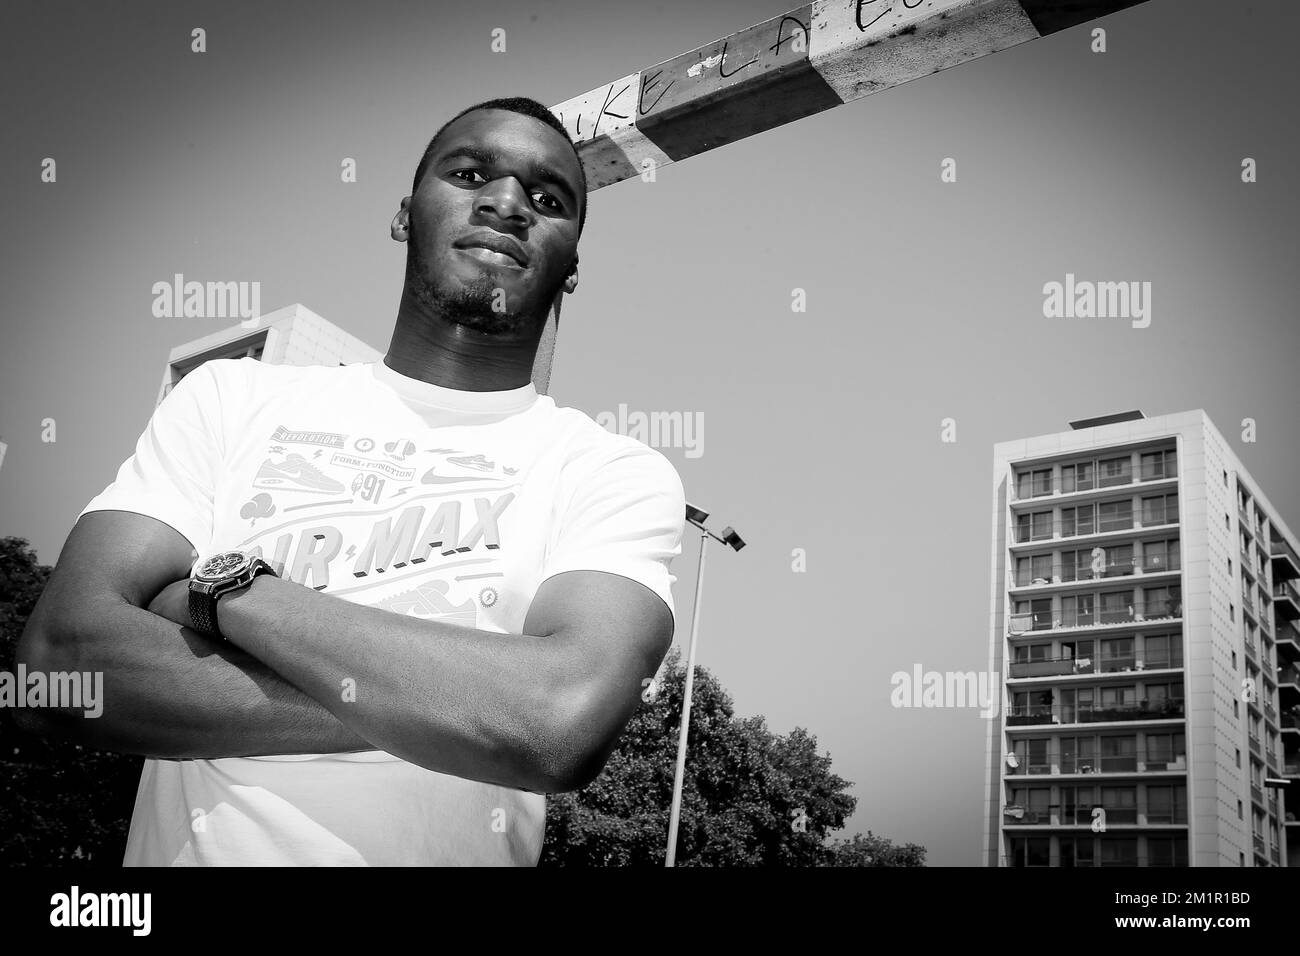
<point>591,447</point>
<point>249,372</point>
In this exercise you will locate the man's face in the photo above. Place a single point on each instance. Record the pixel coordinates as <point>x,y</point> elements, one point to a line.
<point>522,192</point>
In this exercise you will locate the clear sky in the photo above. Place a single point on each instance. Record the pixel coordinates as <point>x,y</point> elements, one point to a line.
<point>822,428</point>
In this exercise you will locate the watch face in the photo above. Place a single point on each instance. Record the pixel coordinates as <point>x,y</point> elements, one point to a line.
<point>223,565</point>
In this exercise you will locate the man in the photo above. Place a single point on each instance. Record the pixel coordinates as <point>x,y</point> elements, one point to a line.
<point>469,584</point>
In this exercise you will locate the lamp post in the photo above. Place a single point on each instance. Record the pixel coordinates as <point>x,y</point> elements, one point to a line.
<point>729,537</point>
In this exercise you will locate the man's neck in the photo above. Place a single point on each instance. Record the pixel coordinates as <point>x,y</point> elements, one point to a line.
<point>432,349</point>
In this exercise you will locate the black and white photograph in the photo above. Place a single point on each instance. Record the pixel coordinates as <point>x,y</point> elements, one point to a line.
<point>356,508</point>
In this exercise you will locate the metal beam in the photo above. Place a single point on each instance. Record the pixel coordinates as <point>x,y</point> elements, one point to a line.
<point>814,57</point>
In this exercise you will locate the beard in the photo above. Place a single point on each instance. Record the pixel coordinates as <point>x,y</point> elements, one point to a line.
<point>471,304</point>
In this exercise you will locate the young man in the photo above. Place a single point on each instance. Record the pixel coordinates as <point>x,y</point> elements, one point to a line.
<point>467,584</point>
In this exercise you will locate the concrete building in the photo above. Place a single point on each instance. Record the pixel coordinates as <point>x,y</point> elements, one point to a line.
<point>1144,628</point>
<point>294,335</point>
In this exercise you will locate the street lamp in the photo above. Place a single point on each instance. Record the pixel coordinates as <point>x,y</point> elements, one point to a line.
<point>729,537</point>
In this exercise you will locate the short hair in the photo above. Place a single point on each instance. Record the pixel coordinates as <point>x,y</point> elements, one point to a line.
<point>515,104</point>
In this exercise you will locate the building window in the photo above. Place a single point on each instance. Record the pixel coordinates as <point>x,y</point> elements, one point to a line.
<point>1115,471</point>
<point>1118,851</point>
<point>1031,851</point>
<point>1032,484</point>
<point>1077,477</point>
<point>1167,804</point>
<point>1162,556</point>
<point>1160,509</point>
<point>1076,851</point>
<point>1033,527</point>
<point>1115,515</point>
<point>1162,650</point>
<point>1166,851</point>
<point>1158,464</point>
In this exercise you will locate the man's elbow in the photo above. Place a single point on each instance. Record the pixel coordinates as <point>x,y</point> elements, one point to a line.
<point>574,750</point>
<point>46,647</point>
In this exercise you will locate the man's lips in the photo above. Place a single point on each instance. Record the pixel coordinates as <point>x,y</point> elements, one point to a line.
<point>498,244</point>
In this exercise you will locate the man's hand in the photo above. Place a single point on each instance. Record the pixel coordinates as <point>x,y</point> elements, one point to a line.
<point>173,602</point>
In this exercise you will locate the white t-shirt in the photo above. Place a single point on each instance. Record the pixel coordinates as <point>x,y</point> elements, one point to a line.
<point>396,493</point>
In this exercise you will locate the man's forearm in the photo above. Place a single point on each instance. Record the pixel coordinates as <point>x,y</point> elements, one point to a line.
<point>170,692</point>
<point>472,703</point>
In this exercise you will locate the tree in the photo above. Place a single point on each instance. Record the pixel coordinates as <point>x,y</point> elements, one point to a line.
<point>749,797</point>
<point>871,850</point>
<point>60,803</point>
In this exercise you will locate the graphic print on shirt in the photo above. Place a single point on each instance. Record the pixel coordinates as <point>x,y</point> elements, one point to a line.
<point>341,527</point>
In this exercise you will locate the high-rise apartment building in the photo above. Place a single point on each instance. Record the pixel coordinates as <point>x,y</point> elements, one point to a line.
<point>1144,630</point>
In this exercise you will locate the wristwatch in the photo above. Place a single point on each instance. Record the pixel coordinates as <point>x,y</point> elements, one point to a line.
<point>220,574</point>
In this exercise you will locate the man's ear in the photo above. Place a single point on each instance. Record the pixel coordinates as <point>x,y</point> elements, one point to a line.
<point>571,280</point>
<point>401,224</point>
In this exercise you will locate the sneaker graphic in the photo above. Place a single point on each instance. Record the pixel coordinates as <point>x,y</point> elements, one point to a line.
<point>429,600</point>
<point>474,461</point>
<point>429,478</point>
<point>295,472</point>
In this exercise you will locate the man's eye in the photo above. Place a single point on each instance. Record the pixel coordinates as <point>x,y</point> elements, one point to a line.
<point>555,203</point>
<point>472,172</point>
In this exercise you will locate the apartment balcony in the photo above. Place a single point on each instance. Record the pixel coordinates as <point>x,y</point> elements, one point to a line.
<point>1259,844</point>
<point>1059,764</point>
<point>1034,622</point>
<point>1048,489</point>
<point>1275,855</point>
<point>1059,815</point>
<point>1050,714</point>
<point>1288,643</point>
<point>1080,666</point>
<point>1254,746</point>
<point>1286,563</point>
<point>1289,722</point>
<point>1286,601</point>
<point>1271,759</point>
<point>1252,651</point>
<point>1063,575</point>
<point>1291,767</point>
<point>1288,687</point>
<point>1257,794</point>
<point>1103,528</point>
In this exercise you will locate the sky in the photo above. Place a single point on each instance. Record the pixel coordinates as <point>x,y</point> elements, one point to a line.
<point>823,428</point>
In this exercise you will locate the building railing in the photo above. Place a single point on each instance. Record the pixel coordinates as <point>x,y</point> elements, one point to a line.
<point>1257,793</point>
<point>1075,815</point>
<point>1270,759</point>
<point>1060,762</point>
<point>1259,844</point>
<point>1021,622</point>
<point>1274,855</point>
<point>1044,488</point>
<point>1288,675</point>
<point>1165,518</point>
<point>1288,721</point>
<point>1031,714</point>
<point>1254,745</point>
<point>1285,590</point>
<point>1066,666</point>
<point>1279,547</point>
<point>1063,573</point>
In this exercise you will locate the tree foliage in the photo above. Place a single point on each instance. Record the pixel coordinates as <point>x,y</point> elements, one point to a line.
<point>749,797</point>
<point>60,803</point>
